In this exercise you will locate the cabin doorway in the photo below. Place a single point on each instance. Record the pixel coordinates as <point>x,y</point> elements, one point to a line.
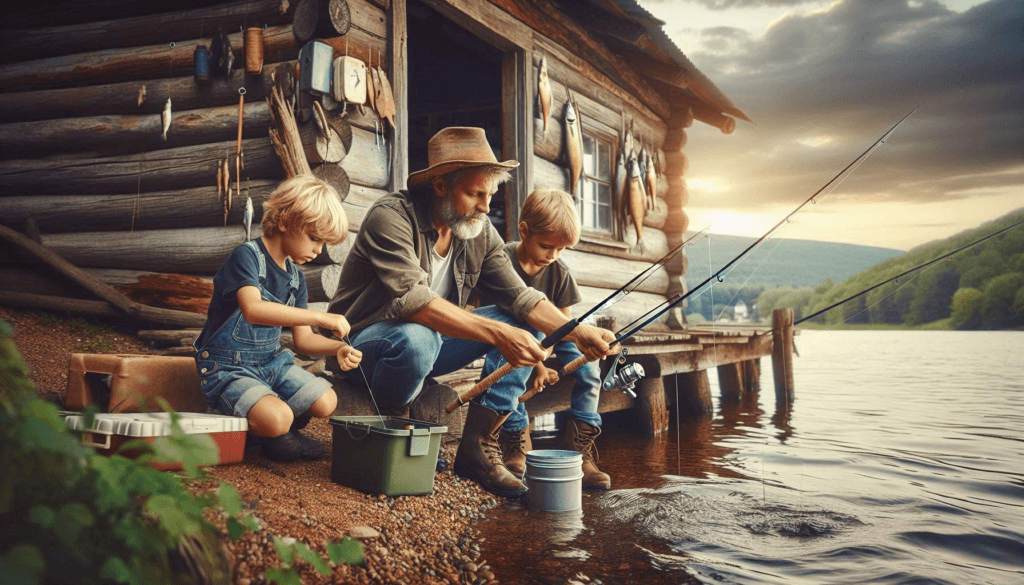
<point>454,79</point>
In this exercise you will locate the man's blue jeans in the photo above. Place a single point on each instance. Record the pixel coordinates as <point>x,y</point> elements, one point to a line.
<point>399,355</point>
<point>585,390</point>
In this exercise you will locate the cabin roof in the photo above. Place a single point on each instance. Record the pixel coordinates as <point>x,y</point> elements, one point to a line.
<point>642,37</point>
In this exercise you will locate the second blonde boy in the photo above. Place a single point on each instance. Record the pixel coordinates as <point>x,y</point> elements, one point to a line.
<point>549,223</point>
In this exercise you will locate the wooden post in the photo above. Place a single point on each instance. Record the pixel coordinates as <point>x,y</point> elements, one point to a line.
<point>651,409</point>
<point>752,375</point>
<point>730,380</point>
<point>398,62</point>
<point>693,397</point>
<point>782,354</point>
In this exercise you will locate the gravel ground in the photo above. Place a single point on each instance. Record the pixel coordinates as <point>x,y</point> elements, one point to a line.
<point>420,539</point>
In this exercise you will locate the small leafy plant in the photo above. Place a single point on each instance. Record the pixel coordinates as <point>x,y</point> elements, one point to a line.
<point>347,550</point>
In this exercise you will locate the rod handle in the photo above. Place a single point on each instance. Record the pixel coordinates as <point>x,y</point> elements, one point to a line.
<point>480,387</point>
<point>568,369</point>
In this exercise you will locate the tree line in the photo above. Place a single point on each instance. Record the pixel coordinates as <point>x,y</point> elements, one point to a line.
<point>979,288</point>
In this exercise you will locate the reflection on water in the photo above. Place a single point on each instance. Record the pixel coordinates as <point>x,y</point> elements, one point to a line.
<point>901,460</point>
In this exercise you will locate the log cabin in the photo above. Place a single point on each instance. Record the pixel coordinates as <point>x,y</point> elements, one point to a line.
<point>86,173</point>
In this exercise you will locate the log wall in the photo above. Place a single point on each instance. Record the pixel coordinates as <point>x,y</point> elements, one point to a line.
<point>84,160</point>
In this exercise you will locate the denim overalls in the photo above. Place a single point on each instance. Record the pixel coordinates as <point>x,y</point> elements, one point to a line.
<point>241,363</point>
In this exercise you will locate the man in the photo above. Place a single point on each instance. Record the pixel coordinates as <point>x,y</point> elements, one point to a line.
<point>418,256</point>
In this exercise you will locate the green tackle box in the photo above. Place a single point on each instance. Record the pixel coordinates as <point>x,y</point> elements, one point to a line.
<point>385,455</point>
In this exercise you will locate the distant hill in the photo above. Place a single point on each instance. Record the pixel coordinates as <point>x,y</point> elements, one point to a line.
<point>781,262</point>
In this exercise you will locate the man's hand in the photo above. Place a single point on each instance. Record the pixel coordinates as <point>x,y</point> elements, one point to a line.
<point>593,342</point>
<point>519,347</point>
<point>349,357</point>
<point>543,376</point>
<point>338,324</point>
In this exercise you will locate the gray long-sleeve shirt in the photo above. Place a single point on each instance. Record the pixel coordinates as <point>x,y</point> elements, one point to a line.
<point>387,272</point>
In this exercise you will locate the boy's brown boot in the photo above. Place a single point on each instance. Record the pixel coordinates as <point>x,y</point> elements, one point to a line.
<point>479,457</point>
<point>579,436</point>
<point>514,447</point>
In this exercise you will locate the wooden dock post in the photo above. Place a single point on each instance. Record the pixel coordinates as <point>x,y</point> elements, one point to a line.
<point>782,354</point>
<point>752,375</point>
<point>730,380</point>
<point>651,410</point>
<point>693,394</point>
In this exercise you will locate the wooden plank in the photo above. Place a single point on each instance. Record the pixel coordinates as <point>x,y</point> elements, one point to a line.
<point>782,355</point>
<point>611,273</point>
<point>665,364</point>
<point>399,63</point>
<point>517,113</point>
<point>626,310</point>
<point>35,43</point>
<point>160,289</point>
<point>108,135</point>
<point>196,207</point>
<point>133,63</point>
<point>730,381</point>
<point>175,168</point>
<point>650,408</point>
<point>63,12</point>
<point>486,21</point>
<point>367,163</point>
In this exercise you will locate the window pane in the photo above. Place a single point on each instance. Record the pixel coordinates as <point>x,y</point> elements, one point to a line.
<point>589,145</point>
<point>604,216</point>
<point>603,162</point>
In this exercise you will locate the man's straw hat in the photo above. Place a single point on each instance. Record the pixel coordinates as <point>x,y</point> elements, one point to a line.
<point>457,148</point>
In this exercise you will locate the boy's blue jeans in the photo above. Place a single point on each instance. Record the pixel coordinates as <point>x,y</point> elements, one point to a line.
<point>585,388</point>
<point>399,355</point>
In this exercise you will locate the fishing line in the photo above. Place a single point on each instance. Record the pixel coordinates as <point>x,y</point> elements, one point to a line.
<point>348,340</point>
<point>876,303</point>
<point>714,337</point>
<point>756,268</point>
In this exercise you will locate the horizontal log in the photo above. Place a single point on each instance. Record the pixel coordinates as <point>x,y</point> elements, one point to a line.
<point>160,289</point>
<point>175,168</point>
<point>58,303</point>
<point>709,356</point>
<point>39,279</point>
<point>35,43</point>
<point>64,12</point>
<point>367,162</point>
<point>611,273</point>
<point>134,63</point>
<point>655,246</point>
<point>108,135</point>
<point>197,207</point>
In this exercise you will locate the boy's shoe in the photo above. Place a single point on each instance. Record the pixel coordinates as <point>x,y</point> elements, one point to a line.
<point>286,448</point>
<point>311,448</point>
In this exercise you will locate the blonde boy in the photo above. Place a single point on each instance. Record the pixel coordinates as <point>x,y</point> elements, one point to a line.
<point>243,370</point>
<point>548,224</point>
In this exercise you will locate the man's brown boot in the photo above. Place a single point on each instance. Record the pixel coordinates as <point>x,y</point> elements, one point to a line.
<point>513,450</point>
<point>579,436</point>
<point>479,457</point>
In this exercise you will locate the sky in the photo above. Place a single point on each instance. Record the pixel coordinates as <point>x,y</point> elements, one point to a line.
<point>822,81</point>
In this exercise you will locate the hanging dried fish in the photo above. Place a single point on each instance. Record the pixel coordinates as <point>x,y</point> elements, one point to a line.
<point>635,205</point>
<point>247,217</point>
<point>652,181</point>
<point>142,94</point>
<point>573,147</point>
<point>220,180</point>
<point>620,188</point>
<point>165,118</point>
<point>544,93</point>
<point>386,99</point>
<point>226,173</point>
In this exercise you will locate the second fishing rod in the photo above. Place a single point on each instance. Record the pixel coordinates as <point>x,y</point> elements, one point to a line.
<point>645,320</point>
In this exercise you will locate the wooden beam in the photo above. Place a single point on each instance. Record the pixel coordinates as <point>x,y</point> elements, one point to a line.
<point>135,63</point>
<point>708,357</point>
<point>398,65</point>
<point>730,381</point>
<point>694,398</point>
<point>486,21</point>
<point>651,410</point>
<point>782,355</point>
<point>611,273</point>
<point>133,31</point>
<point>517,133</point>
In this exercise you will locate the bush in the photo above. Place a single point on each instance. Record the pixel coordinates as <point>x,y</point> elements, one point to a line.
<point>965,307</point>
<point>997,304</point>
<point>72,516</point>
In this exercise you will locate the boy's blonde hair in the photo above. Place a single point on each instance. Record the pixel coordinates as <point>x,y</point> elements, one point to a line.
<point>309,203</point>
<point>551,211</point>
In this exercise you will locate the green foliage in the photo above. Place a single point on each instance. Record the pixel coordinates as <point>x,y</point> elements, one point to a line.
<point>966,306</point>
<point>71,515</point>
<point>289,550</point>
<point>997,304</point>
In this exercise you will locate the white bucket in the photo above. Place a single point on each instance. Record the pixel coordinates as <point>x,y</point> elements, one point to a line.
<point>555,480</point>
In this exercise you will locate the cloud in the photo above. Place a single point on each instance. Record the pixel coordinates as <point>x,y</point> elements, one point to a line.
<point>727,4</point>
<point>850,71</point>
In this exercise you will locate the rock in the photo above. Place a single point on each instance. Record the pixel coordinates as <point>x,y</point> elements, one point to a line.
<point>363,532</point>
<point>471,567</point>
<point>243,581</point>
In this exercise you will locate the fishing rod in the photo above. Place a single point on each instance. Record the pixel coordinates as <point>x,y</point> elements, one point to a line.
<point>834,182</point>
<point>560,333</point>
<point>902,274</point>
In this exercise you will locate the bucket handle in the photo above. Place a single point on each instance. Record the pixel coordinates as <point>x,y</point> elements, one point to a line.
<point>348,430</point>
<point>88,442</point>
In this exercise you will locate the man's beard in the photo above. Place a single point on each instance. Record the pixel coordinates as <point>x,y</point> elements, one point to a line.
<point>463,226</point>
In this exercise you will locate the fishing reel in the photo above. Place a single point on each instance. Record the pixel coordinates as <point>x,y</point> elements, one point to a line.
<point>625,377</point>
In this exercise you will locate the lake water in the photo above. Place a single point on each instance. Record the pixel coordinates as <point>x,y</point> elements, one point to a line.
<point>900,461</point>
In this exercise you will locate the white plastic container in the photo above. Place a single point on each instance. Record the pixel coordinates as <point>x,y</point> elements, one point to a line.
<point>110,431</point>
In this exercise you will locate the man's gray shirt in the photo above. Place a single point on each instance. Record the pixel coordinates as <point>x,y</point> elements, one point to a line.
<point>387,272</point>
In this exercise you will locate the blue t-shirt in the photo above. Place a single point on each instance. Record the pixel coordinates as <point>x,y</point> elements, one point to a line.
<point>242,268</point>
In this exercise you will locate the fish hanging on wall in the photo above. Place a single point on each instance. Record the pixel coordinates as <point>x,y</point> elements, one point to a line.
<point>651,178</point>
<point>620,188</point>
<point>142,94</point>
<point>544,93</point>
<point>573,146</point>
<point>165,118</point>
<point>633,204</point>
<point>247,217</point>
